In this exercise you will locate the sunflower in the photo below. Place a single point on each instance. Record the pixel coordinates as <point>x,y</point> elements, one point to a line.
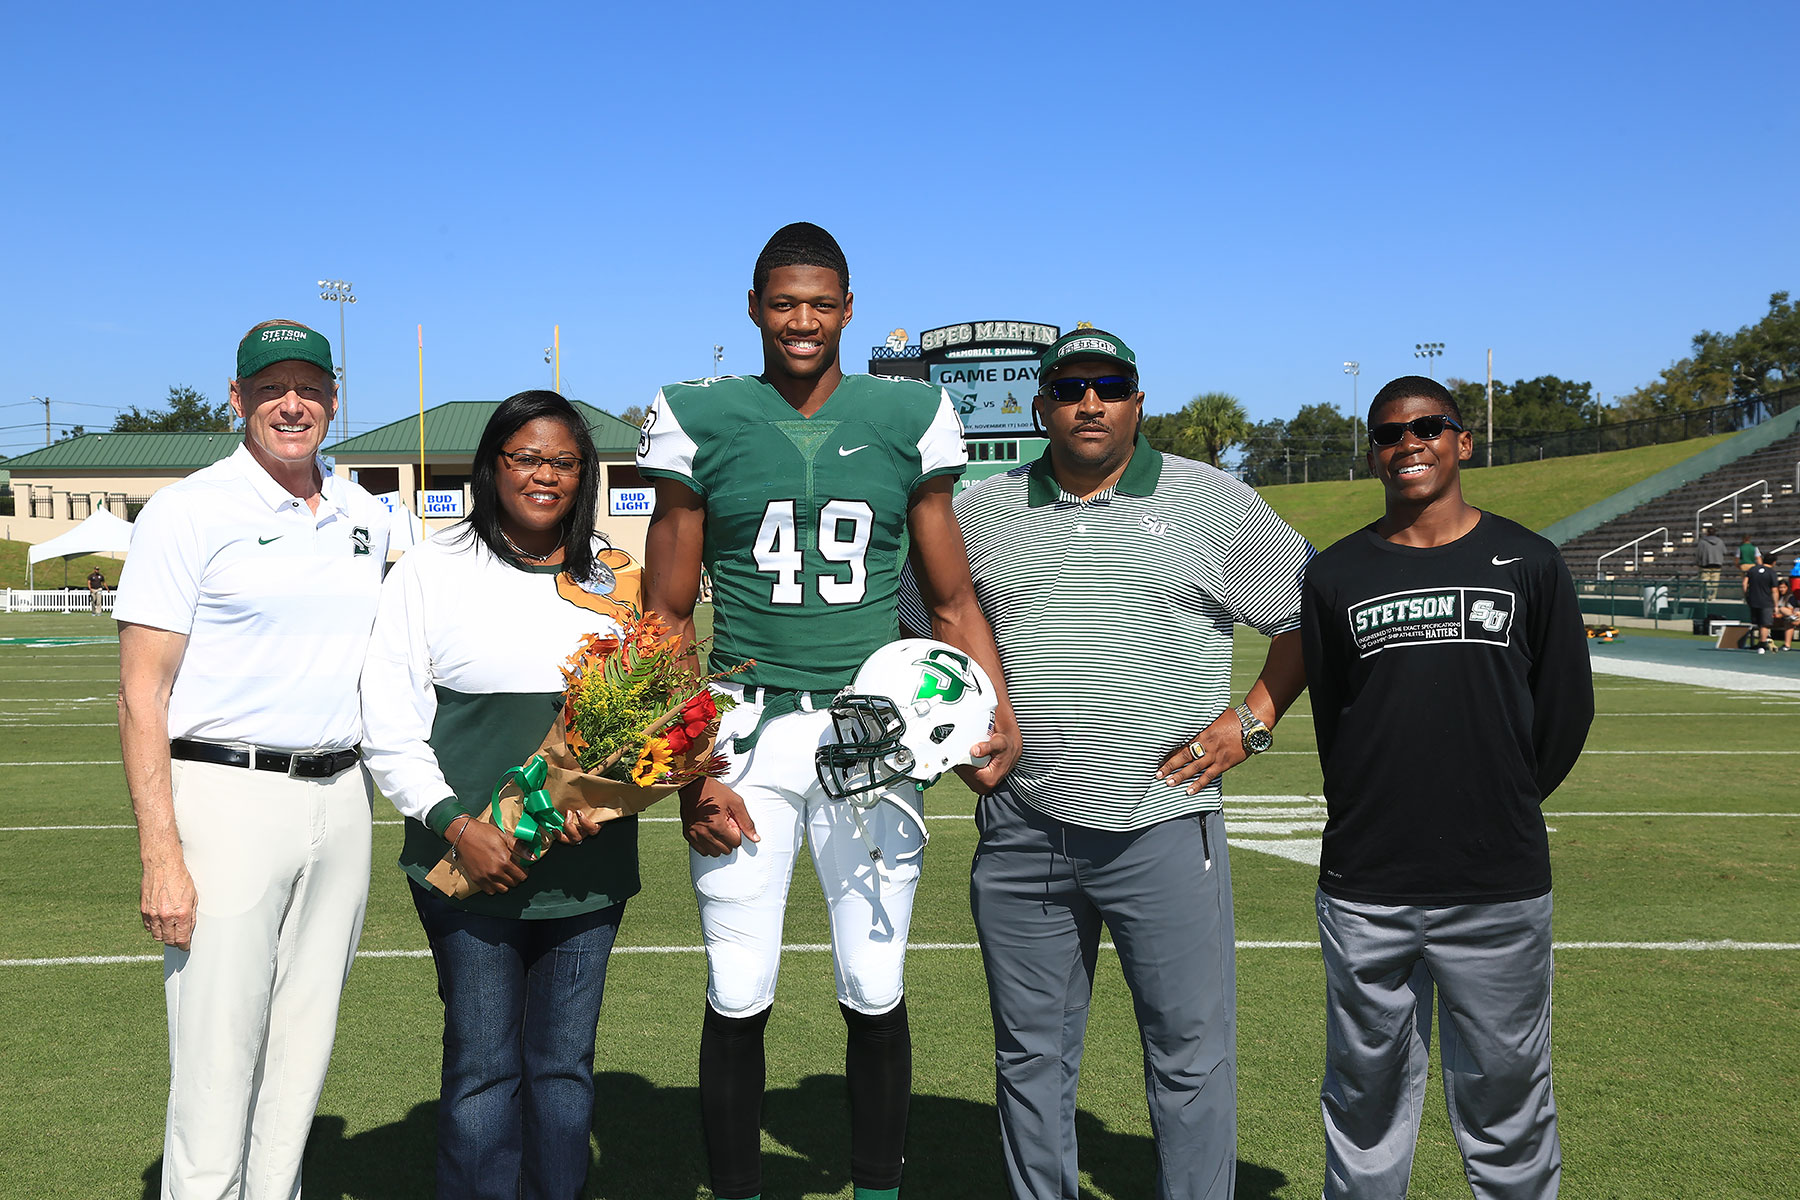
<point>651,763</point>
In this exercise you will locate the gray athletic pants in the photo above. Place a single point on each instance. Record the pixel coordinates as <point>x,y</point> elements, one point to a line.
<point>1490,965</point>
<point>1040,890</point>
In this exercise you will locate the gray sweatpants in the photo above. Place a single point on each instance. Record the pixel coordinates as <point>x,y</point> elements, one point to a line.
<point>1041,890</point>
<point>1490,966</point>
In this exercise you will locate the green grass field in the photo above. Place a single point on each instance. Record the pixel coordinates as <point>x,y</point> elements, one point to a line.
<point>1676,1065</point>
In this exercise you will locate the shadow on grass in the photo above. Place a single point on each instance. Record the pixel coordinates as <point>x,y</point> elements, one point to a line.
<point>649,1144</point>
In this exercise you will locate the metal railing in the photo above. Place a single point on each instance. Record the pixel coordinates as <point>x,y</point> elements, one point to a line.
<point>1731,514</point>
<point>1681,603</point>
<point>1734,417</point>
<point>1637,557</point>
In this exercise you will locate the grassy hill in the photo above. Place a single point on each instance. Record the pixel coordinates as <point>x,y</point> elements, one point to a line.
<point>1533,494</point>
<point>50,571</point>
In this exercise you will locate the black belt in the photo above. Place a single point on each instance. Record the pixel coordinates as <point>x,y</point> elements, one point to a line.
<point>299,766</point>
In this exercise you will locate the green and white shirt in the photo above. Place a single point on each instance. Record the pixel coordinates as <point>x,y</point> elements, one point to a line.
<point>1114,616</point>
<point>806,517</point>
<point>463,679</point>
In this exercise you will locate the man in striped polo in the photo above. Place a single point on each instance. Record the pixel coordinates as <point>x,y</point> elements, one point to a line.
<point>1112,576</point>
<point>244,614</point>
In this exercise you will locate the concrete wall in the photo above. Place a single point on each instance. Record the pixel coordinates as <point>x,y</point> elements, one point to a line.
<point>60,486</point>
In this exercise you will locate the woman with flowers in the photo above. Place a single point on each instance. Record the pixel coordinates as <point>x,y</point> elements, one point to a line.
<point>463,680</point>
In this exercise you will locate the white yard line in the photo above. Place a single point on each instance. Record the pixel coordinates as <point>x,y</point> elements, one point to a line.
<point>107,960</point>
<point>1264,816</point>
<point>1731,681</point>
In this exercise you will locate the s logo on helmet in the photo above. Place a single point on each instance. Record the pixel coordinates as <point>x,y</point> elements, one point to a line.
<point>945,675</point>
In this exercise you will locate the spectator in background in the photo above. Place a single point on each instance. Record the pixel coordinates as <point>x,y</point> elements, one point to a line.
<point>1747,554</point>
<point>1787,618</point>
<point>96,583</point>
<point>1760,582</point>
<point>1709,556</point>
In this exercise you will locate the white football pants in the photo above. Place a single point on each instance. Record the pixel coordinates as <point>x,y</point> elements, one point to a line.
<point>743,895</point>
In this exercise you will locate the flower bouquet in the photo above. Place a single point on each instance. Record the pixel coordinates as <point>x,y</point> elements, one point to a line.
<point>636,724</point>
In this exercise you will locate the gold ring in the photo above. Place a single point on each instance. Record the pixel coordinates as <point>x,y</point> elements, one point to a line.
<point>1197,750</point>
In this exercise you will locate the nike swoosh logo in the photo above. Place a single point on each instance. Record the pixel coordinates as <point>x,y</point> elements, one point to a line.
<point>847,452</point>
<point>1501,562</point>
<point>266,541</point>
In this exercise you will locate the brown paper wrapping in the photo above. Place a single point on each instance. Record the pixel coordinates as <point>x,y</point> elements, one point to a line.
<point>572,790</point>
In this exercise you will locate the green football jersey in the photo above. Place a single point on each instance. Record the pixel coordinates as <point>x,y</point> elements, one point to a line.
<point>806,527</point>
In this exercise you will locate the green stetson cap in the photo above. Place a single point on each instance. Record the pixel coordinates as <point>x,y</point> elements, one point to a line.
<point>1088,343</point>
<point>282,341</point>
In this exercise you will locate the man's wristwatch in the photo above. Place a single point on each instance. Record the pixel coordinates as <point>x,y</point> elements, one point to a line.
<point>1257,737</point>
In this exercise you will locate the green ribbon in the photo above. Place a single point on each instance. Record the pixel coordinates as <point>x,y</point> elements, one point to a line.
<point>539,821</point>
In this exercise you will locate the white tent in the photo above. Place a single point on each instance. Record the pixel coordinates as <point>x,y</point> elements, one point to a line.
<point>99,533</point>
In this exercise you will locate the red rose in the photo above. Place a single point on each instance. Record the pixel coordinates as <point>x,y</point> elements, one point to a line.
<point>678,739</point>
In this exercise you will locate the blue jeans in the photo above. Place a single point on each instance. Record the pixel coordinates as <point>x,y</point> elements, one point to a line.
<point>521,1003</point>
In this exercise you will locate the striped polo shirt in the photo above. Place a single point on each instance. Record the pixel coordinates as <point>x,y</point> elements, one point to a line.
<point>1114,619</point>
<point>276,601</point>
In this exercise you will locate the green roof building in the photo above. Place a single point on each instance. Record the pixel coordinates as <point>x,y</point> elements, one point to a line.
<point>58,487</point>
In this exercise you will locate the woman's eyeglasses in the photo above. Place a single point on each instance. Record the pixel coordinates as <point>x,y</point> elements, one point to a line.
<point>1424,428</point>
<point>1107,387</point>
<point>525,462</point>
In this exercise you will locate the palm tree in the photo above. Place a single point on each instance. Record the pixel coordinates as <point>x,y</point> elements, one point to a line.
<point>1212,422</point>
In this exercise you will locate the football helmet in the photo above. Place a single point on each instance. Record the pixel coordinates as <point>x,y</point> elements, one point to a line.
<point>910,714</point>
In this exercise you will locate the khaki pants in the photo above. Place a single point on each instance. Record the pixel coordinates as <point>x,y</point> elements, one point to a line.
<point>1709,582</point>
<point>281,871</point>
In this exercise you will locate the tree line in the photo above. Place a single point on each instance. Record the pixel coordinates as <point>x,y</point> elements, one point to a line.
<point>1321,442</point>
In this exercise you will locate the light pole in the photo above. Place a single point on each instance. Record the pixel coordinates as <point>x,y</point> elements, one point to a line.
<point>718,355</point>
<point>45,401</point>
<point>553,359</point>
<point>1428,351</point>
<point>339,290</point>
<point>1353,370</point>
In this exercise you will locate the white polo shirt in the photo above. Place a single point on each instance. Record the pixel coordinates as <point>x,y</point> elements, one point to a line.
<point>276,601</point>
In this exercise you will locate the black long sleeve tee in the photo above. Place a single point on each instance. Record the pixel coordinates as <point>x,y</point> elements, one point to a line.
<point>1451,694</point>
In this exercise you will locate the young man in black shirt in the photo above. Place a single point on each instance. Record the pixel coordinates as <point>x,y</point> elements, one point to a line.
<point>1451,693</point>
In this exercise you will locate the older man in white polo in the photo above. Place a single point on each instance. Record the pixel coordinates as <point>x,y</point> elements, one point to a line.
<point>244,612</point>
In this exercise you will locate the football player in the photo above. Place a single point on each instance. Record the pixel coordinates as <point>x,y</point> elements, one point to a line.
<point>801,491</point>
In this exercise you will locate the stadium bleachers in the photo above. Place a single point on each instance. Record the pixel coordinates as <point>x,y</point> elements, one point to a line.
<point>1770,525</point>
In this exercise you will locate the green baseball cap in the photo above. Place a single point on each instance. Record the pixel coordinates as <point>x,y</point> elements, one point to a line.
<point>1088,343</point>
<point>282,341</point>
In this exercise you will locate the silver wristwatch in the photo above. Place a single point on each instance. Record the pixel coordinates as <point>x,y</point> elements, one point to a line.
<point>1257,737</point>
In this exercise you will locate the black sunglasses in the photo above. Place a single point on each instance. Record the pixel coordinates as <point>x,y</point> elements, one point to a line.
<point>1107,387</point>
<point>1425,429</point>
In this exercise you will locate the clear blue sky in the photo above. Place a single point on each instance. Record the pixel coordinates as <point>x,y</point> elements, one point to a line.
<point>1250,194</point>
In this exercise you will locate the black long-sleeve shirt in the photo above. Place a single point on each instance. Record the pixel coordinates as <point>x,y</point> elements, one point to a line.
<point>1451,694</point>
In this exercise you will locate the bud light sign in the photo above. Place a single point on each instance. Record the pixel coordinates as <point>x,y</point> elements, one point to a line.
<point>446,503</point>
<point>631,502</point>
